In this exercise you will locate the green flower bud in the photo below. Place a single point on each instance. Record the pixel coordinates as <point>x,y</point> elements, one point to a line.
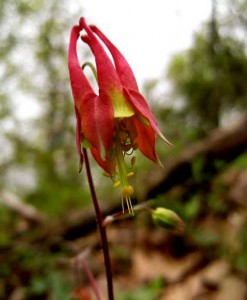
<point>167,219</point>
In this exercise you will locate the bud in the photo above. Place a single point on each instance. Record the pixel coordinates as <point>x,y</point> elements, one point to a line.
<point>167,219</point>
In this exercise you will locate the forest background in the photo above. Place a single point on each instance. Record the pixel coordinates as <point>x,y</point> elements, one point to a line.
<point>46,216</point>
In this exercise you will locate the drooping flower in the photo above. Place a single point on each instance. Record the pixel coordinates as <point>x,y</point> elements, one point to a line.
<point>117,120</point>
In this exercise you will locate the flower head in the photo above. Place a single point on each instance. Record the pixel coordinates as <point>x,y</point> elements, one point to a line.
<point>117,120</point>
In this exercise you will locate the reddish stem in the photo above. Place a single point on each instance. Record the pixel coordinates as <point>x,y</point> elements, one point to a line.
<point>102,229</point>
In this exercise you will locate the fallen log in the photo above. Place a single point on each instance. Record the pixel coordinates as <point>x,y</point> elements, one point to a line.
<point>26,211</point>
<point>221,144</point>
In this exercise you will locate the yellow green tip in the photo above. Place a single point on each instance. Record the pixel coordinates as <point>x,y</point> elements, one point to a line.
<point>127,191</point>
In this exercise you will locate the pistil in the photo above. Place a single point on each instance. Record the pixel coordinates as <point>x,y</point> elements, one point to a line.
<point>123,143</point>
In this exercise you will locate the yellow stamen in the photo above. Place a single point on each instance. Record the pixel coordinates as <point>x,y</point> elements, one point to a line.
<point>127,191</point>
<point>123,142</point>
<point>116,184</point>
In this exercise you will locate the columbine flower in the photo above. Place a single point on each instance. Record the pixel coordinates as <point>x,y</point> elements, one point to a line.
<point>117,120</point>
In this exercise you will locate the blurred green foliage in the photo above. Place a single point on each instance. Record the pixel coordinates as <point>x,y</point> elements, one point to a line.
<point>149,291</point>
<point>210,78</point>
<point>35,60</point>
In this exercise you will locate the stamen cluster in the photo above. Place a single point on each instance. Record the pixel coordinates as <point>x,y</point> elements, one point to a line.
<point>124,144</point>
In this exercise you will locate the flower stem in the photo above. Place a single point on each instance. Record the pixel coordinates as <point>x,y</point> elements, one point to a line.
<point>102,229</point>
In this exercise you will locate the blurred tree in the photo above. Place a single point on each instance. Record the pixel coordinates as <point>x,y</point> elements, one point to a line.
<point>210,78</point>
<point>38,157</point>
<point>36,115</point>
<point>234,18</point>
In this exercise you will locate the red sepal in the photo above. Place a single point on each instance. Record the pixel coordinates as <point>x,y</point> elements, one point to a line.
<point>124,70</point>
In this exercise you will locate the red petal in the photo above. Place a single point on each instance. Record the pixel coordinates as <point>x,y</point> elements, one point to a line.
<point>124,71</point>
<point>107,165</point>
<point>140,105</point>
<point>78,132</point>
<point>107,76</point>
<point>146,140</point>
<point>78,80</point>
<point>97,120</point>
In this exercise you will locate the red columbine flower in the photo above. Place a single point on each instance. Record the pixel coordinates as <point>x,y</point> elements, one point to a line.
<point>115,121</point>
